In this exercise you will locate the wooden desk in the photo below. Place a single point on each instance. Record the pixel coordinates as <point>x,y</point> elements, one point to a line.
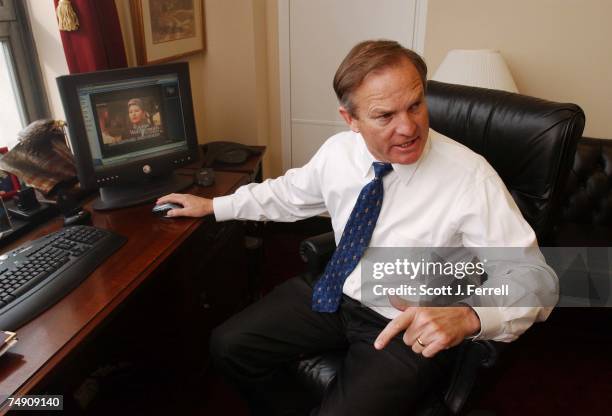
<point>53,336</point>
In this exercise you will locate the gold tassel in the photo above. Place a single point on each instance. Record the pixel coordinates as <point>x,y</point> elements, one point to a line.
<point>66,17</point>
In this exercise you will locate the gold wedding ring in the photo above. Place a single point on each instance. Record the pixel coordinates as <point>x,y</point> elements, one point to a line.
<point>420,342</point>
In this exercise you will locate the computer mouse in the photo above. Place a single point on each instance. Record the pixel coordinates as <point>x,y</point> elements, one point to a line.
<point>81,217</point>
<point>162,209</point>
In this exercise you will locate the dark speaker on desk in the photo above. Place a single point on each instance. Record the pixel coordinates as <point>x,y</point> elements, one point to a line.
<point>205,177</point>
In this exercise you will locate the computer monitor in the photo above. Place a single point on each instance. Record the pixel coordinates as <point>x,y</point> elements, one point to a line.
<point>129,129</point>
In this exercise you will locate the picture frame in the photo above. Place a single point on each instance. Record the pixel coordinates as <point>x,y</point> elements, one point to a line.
<point>165,30</point>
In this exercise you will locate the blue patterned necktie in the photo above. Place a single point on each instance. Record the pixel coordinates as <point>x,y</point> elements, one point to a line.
<point>355,240</point>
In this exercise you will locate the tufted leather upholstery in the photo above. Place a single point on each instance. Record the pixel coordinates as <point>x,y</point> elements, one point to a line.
<point>530,143</point>
<point>586,207</point>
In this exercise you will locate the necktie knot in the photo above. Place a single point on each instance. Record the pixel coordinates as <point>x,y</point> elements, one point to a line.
<point>381,169</point>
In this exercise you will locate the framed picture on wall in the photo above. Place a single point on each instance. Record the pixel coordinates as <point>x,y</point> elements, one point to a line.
<point>165,30</point>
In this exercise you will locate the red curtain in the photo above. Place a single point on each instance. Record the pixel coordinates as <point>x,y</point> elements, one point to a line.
<point>98,43</point>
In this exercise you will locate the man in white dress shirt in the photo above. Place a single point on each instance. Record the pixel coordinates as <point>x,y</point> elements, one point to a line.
<point>438,194</point>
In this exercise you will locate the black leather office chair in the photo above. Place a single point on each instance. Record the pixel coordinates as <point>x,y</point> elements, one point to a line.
<point>531,144</point>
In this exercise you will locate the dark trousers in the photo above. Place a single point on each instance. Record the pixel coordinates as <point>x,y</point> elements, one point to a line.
<point>254,348</point>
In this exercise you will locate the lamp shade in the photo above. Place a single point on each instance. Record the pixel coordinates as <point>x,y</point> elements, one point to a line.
<point>476,67</point>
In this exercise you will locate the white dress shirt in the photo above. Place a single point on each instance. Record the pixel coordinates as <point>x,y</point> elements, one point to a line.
<point>450,197</point>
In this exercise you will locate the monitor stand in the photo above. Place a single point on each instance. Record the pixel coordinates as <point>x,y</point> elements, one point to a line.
<point>122,196</point>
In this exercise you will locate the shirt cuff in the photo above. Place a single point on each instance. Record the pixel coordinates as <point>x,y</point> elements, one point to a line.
<point>491,322</point>
<point>223,208</point>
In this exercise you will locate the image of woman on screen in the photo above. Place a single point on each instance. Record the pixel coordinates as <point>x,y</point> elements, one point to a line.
<point>141,124</point>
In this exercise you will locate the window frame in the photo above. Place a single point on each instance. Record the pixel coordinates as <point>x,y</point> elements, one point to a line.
<point>16,31</point>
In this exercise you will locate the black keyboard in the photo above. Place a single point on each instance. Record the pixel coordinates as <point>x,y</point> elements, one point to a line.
<point>38,274</point>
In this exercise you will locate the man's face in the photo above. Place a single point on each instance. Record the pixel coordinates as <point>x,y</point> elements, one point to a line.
<point>391,114</point>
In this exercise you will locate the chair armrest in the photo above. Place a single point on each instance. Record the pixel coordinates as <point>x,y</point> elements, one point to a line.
<point>316,252</point>
<point>317,372</point>
<point>473,356</point>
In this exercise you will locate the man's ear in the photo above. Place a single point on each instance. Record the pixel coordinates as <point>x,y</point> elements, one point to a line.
<point>349,119</point>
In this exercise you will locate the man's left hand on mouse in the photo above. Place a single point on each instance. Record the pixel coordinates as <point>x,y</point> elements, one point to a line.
<point>193,206</point>
<point>429,330</point>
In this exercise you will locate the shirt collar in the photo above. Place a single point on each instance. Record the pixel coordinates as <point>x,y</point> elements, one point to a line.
<point>405,172</point>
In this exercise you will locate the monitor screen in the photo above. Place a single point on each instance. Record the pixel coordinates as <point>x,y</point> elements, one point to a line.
<point>130,128</point>
<point>132,120</point>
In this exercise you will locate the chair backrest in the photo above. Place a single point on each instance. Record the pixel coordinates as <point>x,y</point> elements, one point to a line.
<point>529,142</point>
